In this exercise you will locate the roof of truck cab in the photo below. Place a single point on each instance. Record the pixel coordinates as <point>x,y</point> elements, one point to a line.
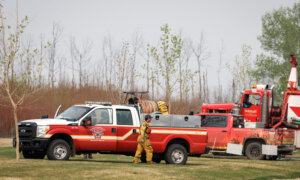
<point>106,106</point>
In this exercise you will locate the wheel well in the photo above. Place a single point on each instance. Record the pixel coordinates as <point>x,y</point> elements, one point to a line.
<point>182,142</point>
<point>67,138</point>
<point>250,140</point>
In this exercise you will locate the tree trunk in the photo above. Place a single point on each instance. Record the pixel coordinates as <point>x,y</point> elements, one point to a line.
<point>17,134</point>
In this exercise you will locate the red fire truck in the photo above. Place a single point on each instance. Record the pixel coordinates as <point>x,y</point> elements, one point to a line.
<point>260,117</point>
<point>104,128</point>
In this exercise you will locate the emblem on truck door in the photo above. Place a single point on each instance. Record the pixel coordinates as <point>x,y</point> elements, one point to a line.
<point>97,132</point>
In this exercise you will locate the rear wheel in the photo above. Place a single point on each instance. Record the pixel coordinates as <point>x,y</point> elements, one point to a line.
<point>176,154</point>
<point>254,151</point>
<point>59,150</point>
<point>31,154</point>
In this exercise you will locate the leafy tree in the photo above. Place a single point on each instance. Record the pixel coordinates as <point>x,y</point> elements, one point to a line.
<point>280,36</point>
<point>16,84</point>
<point>241,71</point>
<point>166,58</point>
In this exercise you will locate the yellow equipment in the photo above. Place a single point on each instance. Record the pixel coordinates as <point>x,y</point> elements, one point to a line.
<point>162,106</point>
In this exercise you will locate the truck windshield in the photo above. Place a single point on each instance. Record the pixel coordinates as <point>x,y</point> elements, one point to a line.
<point>74,113</point>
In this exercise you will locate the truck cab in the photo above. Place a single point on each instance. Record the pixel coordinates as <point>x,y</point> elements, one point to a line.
<point>255,105</point>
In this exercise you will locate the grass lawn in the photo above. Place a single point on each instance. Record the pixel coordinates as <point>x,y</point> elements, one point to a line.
<point>118,166</point>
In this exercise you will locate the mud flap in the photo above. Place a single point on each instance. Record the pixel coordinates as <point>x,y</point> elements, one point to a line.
<point>236,149</point>
<point>297,138</point>
<point>269,150</point>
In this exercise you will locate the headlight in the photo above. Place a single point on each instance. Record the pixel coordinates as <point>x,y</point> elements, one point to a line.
<point>41,131</point>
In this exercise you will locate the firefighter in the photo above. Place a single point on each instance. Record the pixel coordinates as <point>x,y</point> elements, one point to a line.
<point>143,141</point>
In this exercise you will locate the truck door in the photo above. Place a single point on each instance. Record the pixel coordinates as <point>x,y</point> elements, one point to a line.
<point>126,132</point>
<point>101,135</point>
<point>252,107</point>
<point>217,130</point>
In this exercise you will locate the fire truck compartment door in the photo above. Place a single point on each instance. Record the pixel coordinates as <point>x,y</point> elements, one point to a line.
<point>236,149</point>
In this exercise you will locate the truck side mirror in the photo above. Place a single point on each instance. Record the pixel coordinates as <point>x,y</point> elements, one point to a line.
<point>45,116</point>
<point>86,121</point>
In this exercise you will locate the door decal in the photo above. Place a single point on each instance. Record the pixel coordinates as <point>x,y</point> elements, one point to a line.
<point>98,132</point>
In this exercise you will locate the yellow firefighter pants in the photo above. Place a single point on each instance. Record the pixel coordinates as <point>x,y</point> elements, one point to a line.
<point>140,147</point>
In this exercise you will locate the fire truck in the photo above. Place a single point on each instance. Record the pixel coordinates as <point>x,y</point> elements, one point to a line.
<point>260,119</point>
<point>97,127</point>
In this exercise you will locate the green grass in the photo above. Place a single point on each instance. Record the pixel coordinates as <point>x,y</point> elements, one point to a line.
<point>118,166</point>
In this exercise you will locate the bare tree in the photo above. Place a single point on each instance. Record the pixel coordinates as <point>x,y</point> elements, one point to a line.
<point>52,53</point>
<point>136,43</point>
<point>220,99</point>
<point>123,65</point>
<point>186,75</point>
<point>80,56</point>
<point>202,54</point>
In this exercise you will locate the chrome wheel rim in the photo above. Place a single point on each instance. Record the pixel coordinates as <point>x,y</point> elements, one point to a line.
<point>177,156</point>
<point>60,151</point>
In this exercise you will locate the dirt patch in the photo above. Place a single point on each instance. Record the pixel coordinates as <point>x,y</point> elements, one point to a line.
<point>5,142</point>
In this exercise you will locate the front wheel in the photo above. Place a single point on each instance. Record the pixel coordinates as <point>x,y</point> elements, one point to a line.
<point>176,154</point>
<point>59,150</point>
<point>254,151</point>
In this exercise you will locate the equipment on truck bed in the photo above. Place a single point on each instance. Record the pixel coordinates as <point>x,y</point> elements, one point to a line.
<point>147,106</point>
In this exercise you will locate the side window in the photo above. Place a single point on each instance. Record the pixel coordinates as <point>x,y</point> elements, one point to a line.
<point>250,100</point>
<point>101,116</point>
<point>214,121</point>
<point>124,117</point>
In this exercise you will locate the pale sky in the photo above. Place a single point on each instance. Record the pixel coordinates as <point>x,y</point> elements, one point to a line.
<point>235,22</point>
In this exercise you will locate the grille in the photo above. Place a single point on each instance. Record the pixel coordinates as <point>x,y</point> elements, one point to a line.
<point>27,129</point>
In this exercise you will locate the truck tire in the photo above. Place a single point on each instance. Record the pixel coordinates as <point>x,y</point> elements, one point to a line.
<point>59,150</point>
<point>254,151</point>
<point>31,154</point>
<point>176,154</point>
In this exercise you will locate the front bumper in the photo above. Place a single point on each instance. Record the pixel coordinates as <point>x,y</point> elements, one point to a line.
<point>32,144</point>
